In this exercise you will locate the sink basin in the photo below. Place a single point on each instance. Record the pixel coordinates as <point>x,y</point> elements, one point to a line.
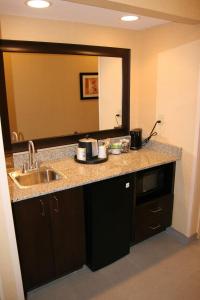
<point>33,177</point>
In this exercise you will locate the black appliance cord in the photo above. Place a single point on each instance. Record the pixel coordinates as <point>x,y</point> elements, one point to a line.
<point>152,133</point>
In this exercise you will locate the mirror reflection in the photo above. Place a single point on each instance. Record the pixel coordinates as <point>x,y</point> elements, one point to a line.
<point>44,94</point>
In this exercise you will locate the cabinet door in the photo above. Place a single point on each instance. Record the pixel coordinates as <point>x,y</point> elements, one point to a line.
<point>32,225</point>
<point>108,219</point>
<point>67,217</point>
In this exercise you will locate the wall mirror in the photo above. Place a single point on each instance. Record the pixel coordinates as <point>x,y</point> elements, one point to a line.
<point>56,93</point>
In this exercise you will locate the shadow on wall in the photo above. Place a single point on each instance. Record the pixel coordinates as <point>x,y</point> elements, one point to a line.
<point>196,204</point>
<point>153,42</point>
<point>169,36</point>
<point>177,99</point>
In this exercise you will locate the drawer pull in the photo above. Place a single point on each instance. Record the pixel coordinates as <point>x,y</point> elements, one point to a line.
<point>56,208</point>
<point>155,227</point>
<point>42,208</point>
<point>155,211</point>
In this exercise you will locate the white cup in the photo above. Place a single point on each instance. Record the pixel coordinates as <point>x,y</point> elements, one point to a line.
<point>102,151</point>
<point>81,154</point>
<point>116,151</point>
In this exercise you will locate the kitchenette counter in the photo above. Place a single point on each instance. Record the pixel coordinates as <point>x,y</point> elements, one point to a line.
<point>76,174</point>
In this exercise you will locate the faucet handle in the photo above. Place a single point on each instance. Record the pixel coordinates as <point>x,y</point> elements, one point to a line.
<point>25,167</point>
<point>36,164</point>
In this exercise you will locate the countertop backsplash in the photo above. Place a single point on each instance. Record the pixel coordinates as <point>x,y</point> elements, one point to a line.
<point>46,154</point>
<point>60,152</point>
<point>54,153</point>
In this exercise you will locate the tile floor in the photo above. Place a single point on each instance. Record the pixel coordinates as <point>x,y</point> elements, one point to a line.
<point>160,268</point>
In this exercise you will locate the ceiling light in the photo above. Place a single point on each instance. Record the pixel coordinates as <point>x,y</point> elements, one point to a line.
<point>38,3</point>
<point>129,18</point>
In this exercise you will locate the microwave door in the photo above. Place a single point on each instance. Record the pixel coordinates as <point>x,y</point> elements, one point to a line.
<point>150,182</point>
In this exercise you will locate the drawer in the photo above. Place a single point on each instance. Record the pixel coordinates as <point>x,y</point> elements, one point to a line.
<point>153,217</point>
<point>159,206</point>
<point>149,228</point>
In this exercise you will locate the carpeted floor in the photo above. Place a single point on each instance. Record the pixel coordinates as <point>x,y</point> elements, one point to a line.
<point>160,268</point>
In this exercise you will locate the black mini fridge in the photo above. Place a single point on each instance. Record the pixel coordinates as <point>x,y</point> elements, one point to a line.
<point>108,206</point>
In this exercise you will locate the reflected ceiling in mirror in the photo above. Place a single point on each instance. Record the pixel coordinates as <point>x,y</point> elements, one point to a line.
<point>44,94</point>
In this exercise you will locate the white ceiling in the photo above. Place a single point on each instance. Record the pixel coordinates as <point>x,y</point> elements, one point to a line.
<point>64,10</point>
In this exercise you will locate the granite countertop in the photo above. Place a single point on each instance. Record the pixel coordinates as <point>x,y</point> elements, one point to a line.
<point>76,174</point>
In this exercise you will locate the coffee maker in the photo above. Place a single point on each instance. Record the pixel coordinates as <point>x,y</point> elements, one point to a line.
<point>136,138</point>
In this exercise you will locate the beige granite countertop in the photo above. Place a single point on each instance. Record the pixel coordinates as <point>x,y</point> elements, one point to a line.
<point>75,174</point>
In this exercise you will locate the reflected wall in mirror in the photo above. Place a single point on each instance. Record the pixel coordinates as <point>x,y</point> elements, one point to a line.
<point>43,94</point>
<point>107,116</point>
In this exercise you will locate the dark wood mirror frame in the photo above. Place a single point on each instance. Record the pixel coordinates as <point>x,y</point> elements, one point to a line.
<point>60,48</point>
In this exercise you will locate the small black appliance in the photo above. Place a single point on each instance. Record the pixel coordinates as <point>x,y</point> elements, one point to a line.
<point>136,138</point>
<point>91,147</point>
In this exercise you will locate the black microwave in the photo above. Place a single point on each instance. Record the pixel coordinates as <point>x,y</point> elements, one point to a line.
<point>154,181</point>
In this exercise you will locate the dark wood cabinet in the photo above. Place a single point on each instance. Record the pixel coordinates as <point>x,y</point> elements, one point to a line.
<point>108,217</point>
<point>68,230</point>
<point>117,212</point>
<point>152,209</point>
<point>32,226</point>
<point>50,236</point>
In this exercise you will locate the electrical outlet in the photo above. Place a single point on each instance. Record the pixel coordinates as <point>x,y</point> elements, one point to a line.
<point>162,119</point>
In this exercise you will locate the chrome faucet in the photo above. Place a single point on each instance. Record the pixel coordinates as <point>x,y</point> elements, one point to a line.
<point>32,162</point>
<point>14,136</point>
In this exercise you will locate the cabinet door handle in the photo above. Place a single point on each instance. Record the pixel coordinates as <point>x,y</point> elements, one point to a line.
<point>155,211</point>
<point>56,208</point>
<point>155,227</point>
<point>127,185</point>
<point>42,208</point>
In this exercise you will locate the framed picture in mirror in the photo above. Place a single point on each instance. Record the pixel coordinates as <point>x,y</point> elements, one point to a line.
<point>89,86</point>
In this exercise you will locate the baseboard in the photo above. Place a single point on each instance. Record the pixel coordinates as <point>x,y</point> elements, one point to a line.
<point>180,236</point>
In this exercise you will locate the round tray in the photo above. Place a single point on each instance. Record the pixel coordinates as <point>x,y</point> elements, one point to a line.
<point>94,160</point>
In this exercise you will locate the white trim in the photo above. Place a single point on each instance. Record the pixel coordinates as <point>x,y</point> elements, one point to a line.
<point>2,296</point>
<point>198,157</point>
<point>10,275</point>
<point>196,162</point>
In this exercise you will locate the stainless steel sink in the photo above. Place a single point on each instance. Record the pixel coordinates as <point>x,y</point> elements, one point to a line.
<point>33,177</point>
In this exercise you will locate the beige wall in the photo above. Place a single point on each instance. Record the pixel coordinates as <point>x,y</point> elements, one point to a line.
<point>57,31</point>
<point>195,213</point>
<point>44,94</point>
<point>110,91</point>
<point>149,49</point>
<point>154,42</point>
<point>164,70</point>
<point>169,77</point>
<point>173,10</point>
<point>179,69</point>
